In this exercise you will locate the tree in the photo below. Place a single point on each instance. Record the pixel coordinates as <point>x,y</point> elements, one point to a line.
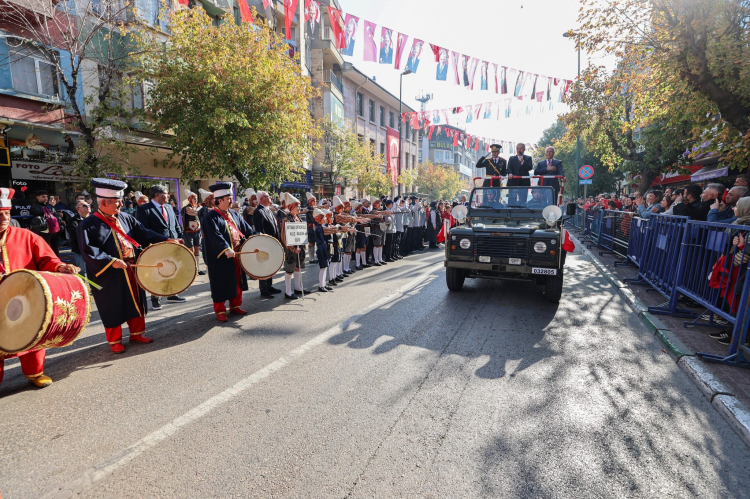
<point>438,181</point>
<point>344,151</point>
<point>690,61</point>
<point>604,179</point>
<point>229,100</point>
<point>89,45</point>
<point>370,175</point>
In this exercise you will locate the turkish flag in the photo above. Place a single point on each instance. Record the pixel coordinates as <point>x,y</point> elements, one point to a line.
<point>568,245</point>
<point>265,4</point>
<point>246,16</point>
<point>455,138</point>
<point>429,135</point>
<point>339,40</point>
<point>468,141</point>
<point>400,45</point>
<point>290,7</point>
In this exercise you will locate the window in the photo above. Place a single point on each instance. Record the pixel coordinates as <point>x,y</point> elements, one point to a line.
<point>372,146</point>
<point>361,138</point>
<point>406,157</point>
<point>372,111</point>
<point>382,148</point>
<point>237,16</point>
<point>32,72</point>
<point>382,116</point>
<point>360,105</point>
<point>413,161</point>
<point>414,136</point>
<point>390,119</point>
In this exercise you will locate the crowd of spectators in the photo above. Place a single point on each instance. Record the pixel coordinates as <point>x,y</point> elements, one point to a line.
<point>715,203</point>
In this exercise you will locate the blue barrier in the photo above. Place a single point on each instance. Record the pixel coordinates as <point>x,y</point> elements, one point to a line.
<point>595,228</point>
<point>709,270</point>
<point>660,255</point>
<point>636,239</point>
<point>607,231</point>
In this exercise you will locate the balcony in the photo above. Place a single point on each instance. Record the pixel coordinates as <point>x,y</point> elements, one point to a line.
<point>331,55</point>
<point>334,83</point>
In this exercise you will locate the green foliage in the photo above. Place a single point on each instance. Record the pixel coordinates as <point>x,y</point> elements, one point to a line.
<point>371,177</point>
<point>438,181</point>
<point>229,100</point>
<point>344,152</point>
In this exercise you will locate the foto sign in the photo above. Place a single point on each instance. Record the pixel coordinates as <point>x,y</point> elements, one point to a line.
<point>586,172</point>
<point>296,233</point>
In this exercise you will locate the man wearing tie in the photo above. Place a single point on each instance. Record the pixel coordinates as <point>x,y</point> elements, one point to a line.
<point>265,222</point>
<point>550,166</point>
<point>519,165</point>
<point>495,166</point>
<point>442,68</point>
<point>159,217</point>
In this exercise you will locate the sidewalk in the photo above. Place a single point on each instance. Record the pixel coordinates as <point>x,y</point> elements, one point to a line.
<point>723,385</point>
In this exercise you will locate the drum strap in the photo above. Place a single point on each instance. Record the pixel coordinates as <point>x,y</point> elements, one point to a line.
<point>234,232</point>
<point>117,229</point>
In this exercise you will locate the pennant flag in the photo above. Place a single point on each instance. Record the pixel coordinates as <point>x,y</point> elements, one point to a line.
<point>439,129</point>
<point>265,4</point>
<point>307,10</point>
<point>246,15</point>
<point>414,120</point>
<point>457,110</point>
<point>386,46</point>
<point>455,139</point>
<point>504,80</point>
<point>469,114</point>
<point>472,71</point>
<point>476,145</point>
<point>339,40</point>
<point>465,70</point>
<point>351,23</point>
<point>400,45</point>
<point>455,57</point>
<point>519,84</point>
<point>403,117</point>
<point>484,70</point>
<point>370,51</point>
<point>467,145</point>
<point>533,87</point>
<point>441,57</point>
<point>477,111</point>
<point>416,52</point>
<point>444,112</point>
<point>487,111</point>
<point>290,7</point>
<point>429,135</point>
<point>497,88</point>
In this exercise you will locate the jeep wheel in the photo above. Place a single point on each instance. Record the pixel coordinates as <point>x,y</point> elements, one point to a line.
<point>553,287</point>
<point>454,278</point>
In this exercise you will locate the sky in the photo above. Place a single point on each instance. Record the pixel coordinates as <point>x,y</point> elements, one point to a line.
<point>522,34</point>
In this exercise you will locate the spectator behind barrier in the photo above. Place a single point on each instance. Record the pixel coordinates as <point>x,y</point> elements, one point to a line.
<point>743,181</point>
<point>724,213</point>
<point>645,207</point>
<point>666,203</point>
<point>695,203</point>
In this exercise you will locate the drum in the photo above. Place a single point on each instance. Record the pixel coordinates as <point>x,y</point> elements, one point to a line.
<point>263,256</point>
<point>41,310</point>
<point>166,269</point>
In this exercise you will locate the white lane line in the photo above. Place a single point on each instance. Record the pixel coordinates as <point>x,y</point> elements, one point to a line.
<point>101,470</point>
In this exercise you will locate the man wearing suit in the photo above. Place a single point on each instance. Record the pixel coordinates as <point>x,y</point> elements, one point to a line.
<point>442,68</point>
<point>550,166</point>
<point>519,165</point>
<point>386,50</point>
<point>413,62</point>
<point>159,217</point>
<point>264,221</point>
<point>495,166</point>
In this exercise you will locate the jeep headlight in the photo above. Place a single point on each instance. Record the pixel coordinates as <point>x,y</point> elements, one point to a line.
<point>540,247</point>
<point>553,242</point>
<point>465,243</point>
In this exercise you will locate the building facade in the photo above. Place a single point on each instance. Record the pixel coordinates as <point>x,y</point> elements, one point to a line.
<point>440,149</point>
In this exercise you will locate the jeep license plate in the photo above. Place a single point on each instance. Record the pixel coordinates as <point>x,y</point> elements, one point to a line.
<point>544,271</point>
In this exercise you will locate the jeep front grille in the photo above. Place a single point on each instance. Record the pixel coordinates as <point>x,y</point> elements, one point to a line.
<point>502,246</point>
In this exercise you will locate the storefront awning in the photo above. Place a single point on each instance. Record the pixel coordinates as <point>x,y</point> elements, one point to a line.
<point>709,172</point>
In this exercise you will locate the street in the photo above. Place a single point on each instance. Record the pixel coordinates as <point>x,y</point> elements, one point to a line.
<point>390,386</point>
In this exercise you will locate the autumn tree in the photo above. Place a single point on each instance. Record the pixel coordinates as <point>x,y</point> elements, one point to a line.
<point>229,100</point>
<point>370,175</point>
<point>344,151</point>
<point>438,181</point>
<point>689,61</point>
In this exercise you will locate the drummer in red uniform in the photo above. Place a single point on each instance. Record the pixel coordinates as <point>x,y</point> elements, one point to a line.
<point>30,252</point>
<point>110,242</point>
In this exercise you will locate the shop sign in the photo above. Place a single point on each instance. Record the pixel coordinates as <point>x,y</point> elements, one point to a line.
<point>50,172</point>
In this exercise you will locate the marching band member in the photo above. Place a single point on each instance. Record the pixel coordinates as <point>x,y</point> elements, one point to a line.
<point>206,206</point>
<point>110,242</point>
<point>191,226</point>
<point>310,226</point>
<point>338,210</point>
<point>390,233</point>
<point>319,216</point>
<point>361,239</point>
<point>335,251</point>
<point>30,252</point>
<point>251,205</point>
<point>291,253</point>
<point>350,241</point>
<point>378,234</point>
<point>224,230</point>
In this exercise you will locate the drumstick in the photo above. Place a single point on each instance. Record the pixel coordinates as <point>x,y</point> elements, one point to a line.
<point>250,252</point>
<point>157,266</point>
<point>91,283</point>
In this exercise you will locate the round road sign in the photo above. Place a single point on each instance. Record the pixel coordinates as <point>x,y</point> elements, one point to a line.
<point>586,172</point>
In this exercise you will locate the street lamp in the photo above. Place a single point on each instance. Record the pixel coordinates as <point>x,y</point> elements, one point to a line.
<point>400,122</point>
<point>571,34</point>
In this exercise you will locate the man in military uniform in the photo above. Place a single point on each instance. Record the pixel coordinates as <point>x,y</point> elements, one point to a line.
<point>495,166</point>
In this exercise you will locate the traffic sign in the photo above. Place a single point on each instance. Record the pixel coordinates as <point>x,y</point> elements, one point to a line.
<point>585,182</point>
<point>586,172</point>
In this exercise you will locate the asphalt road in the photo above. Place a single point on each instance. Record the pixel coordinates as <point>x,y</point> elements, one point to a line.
<point>391,386</point>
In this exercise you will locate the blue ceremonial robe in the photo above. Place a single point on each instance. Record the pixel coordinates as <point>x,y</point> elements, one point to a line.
<point>120,298</point>
<point>222,272</point>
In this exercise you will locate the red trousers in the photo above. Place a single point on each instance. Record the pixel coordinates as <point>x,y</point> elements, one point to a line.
<point>32,364</point>
<point>137,326</point>
<point>235,302</point>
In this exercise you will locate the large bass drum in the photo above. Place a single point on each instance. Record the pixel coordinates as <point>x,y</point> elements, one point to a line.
<point>41,310</point>
<point>263,256</point>
<point>176,273</point>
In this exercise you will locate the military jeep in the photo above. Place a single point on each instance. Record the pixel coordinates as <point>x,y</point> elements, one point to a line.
<point>509,233</point>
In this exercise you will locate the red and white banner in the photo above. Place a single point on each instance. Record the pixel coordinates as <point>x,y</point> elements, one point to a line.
<point>393,153</point>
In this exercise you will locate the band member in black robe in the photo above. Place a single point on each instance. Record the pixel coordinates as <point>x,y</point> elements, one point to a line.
<point>495,166</point>
<point>225,231</point>
<point>109,242</point>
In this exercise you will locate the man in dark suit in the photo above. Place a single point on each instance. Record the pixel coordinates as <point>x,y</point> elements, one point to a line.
<point>442,68</point>
<point>264,221</point>
<point>495,166</point>
<point>519,165</point>
<point>386,50</point>
<point>413,62</point>
<point>550,166</point>
<point>159,217</point>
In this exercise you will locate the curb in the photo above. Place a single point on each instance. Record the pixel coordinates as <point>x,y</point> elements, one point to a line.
<point>734,412</point>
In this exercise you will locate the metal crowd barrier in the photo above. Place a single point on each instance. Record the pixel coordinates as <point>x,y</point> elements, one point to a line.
<point>607,231</point>
<point>660,255</point>
<point>636,239</point>
<point>623,220</point>
<point>595,229</point>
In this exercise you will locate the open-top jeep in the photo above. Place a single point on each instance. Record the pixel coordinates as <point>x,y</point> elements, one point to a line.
<point>512,233</point>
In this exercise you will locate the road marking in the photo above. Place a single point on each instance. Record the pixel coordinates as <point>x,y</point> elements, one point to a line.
<point>101,470</point>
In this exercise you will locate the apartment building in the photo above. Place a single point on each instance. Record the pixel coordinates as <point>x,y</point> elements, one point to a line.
<point>440,149</point>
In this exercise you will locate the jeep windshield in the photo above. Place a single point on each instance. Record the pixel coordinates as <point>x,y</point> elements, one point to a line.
<point>511,199</point>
